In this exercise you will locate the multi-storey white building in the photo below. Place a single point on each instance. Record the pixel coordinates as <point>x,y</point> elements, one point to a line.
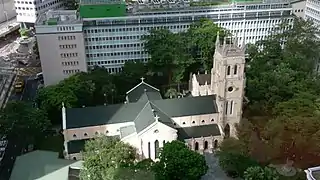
<point>7,11</point>
<point>112,32</point>
<point>28,10</point>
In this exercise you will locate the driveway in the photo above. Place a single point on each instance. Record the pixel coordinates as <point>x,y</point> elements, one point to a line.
<point>214,172</point>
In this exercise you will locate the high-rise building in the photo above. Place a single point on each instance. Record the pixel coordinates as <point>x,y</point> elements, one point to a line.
<point>28,10</point>
<point>312,11</point>
<point>7,10</point>
<point>112,31</point>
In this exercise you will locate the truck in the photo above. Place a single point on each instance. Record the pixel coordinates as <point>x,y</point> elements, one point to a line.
<point>19,85</point>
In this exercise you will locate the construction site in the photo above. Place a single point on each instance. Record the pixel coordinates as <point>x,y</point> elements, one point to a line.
<point>17,61</point>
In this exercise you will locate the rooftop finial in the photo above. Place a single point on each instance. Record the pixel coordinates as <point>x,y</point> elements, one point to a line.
<point>142,79</point>
<point>156,118</point>
<point>218,39</point>
<point>62,105</point>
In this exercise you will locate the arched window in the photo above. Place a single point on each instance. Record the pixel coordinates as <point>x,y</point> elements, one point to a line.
<point>206,145</point>
<point>212,120</point>
<point>227,131</point>
<point>156,149</point>
<point>231,107</point>
<point>149,150</point>
<point>226,107</point>
<point>193,122</point>
<point>184,123</point>
<point>202,121</point>
<point>74,136</point>
<point>215,144</point>
<point>235,70</point>
<point>85,134</point>
<point>164,142</point>
<point>97,133</point>
<point>196,146</point>
<point>74,158</point>
<point>228,70</point>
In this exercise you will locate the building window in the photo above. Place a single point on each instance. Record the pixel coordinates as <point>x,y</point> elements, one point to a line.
<point>226,107</point>
<point>156,149</point>
<point>230,89</point>
<point>85,134</point>
<point>202,121</point>
<point>164,142</point>
<point>149,150</point>
<point>235,70</point>
<point>228,70</point>
<point>212,120</point>
<point>215,144</point>
<point>174,124</point>
<point>184,123</point>
<point>206,146</point>
<point>193,122</point>
<point>107,131</point>
<point>196,146</point>
<point>97,133</point>
<point>74,136</point>
<point>231,107</point>
<point>74,158</point>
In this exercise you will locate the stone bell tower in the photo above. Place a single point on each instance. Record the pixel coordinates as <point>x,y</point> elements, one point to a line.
<point>228,82</point>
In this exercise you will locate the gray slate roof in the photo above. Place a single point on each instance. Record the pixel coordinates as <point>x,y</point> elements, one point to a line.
<point>135,93</point>
<point>143,111</point>
<point>198,131</point>
<point>203,78</point>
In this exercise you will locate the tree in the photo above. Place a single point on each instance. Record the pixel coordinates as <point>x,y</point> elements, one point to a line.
<point>19,119</point>
<point>234,158</point>
<point>171,93</point>
<point>167,50</point>
<point>24,32</point>
<point>178,162</point>
<point>104,157</point>
<point>259,173</point>
<point>72,4</point>
<point>201,38</point>
<point>276,73</point>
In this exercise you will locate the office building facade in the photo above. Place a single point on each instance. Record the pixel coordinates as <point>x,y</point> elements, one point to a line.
<point>112,32</point>
<point>28,10</point>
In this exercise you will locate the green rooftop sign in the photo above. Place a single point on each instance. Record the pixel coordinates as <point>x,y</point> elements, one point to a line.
<point>102,10</point>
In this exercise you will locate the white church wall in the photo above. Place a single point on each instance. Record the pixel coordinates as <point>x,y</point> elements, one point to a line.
<point>198,120</point>
<point>201,144</point>
<point>134,141</point>
<point>154,132</point>
<point>92,131</point>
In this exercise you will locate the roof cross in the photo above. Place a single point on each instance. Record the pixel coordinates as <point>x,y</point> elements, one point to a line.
<point>142,79</point>
<point>156,118</point>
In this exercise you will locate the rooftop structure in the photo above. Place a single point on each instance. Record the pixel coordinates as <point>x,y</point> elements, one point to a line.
<point>44,165</point>
<point>313,173</point>
<point>52,18</point>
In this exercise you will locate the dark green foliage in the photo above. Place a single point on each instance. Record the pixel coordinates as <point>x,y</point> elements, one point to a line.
<point>260,173</point>
<point>178,162</point>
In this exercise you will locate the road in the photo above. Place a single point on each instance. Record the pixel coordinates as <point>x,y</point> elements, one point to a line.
<point>15,147</point>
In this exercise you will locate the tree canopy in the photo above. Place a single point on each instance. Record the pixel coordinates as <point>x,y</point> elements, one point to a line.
<point>21,120</point>
<point>178,54</point>
<point>283,90</point>
<point>178,162</point>
<point>108,158</point>
<point>260,173</point>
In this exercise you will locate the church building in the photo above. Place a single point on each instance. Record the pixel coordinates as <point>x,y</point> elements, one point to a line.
<point>147,121</point>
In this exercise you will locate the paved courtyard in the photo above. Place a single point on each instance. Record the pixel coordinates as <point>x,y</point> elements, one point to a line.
<point>214,172</point>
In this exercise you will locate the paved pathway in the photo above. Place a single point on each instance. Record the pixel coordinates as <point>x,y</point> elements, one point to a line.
<point>214,172</point>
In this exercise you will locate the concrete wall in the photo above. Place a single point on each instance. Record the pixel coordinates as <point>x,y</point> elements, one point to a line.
<point>8,7</point>
<point>54,64</point>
